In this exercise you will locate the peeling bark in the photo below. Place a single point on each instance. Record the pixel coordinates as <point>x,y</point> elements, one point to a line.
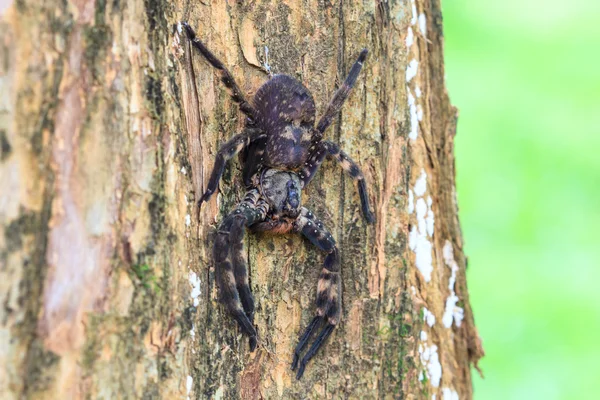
<point>109,125</point>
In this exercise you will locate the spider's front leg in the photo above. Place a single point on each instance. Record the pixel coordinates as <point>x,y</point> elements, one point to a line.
<point>329,289</point>
<point>231,270</point>
<point>226,153</point>
<point>226,77</point>
<point>339,97</point>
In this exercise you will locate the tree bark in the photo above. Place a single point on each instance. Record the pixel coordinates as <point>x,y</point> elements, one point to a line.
<point>109,126</point>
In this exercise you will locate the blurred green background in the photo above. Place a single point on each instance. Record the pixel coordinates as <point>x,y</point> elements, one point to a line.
<point>525,75</point>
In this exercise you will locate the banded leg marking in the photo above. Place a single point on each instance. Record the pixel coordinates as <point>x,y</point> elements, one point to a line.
<point>226,77</point>
<point>339,98</point>
<point>329,290</point>
<point>226,153</point>
<point>332,150</point>
<point>231,268</point>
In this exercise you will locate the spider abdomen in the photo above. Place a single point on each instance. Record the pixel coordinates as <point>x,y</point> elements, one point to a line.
<point>288,149</point>
<point>285,113</point>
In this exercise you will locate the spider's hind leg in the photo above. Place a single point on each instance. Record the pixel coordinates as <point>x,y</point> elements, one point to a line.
<point>329,290</point>
<point>231,269</point>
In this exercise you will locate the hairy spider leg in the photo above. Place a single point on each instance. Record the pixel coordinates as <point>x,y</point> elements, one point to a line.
<point>332,150</point>
<point>226,77</point>
<point>231,269</point>
<point>226,153</point>
<point>339,98</point>
<point>238,230</point>
<point>329,289</point>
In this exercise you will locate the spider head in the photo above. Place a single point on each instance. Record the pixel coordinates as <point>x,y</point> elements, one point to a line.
<point>283,192</point>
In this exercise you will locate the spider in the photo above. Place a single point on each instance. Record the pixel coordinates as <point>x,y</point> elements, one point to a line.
<point>281,150</point>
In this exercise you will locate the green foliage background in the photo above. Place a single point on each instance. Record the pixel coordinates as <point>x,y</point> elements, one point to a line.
<point>525,75</point>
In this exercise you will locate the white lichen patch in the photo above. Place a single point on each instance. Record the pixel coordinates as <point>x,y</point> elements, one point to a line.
<point>183,171</point>
<point>421,246</point>
<point>411,70</point>
<point>428,317</point>
<point>414,116</point>
<point>421,184</point>
<point>449,394</point>
<point>195,293</point>
<point>421,233</point>
<point>431,362</point>
<point>189,383</point>
<point>410,38</point>
<point>452,312</point>
<point>423,24</point>
<point>421,209</point>
<point>429,218</point>
<point>432,368</point>
<point>188,220</point>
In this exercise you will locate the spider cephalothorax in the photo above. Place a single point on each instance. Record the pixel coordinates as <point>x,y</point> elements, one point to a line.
<point>281,189</point>
<point>281,150</point>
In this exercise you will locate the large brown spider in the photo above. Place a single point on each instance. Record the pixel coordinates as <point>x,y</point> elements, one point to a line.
<point>281,151</point>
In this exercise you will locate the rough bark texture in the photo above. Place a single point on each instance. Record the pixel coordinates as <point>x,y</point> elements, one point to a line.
<point>108,130</point>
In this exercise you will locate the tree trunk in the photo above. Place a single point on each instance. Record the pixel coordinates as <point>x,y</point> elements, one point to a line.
<point>109,126</point>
